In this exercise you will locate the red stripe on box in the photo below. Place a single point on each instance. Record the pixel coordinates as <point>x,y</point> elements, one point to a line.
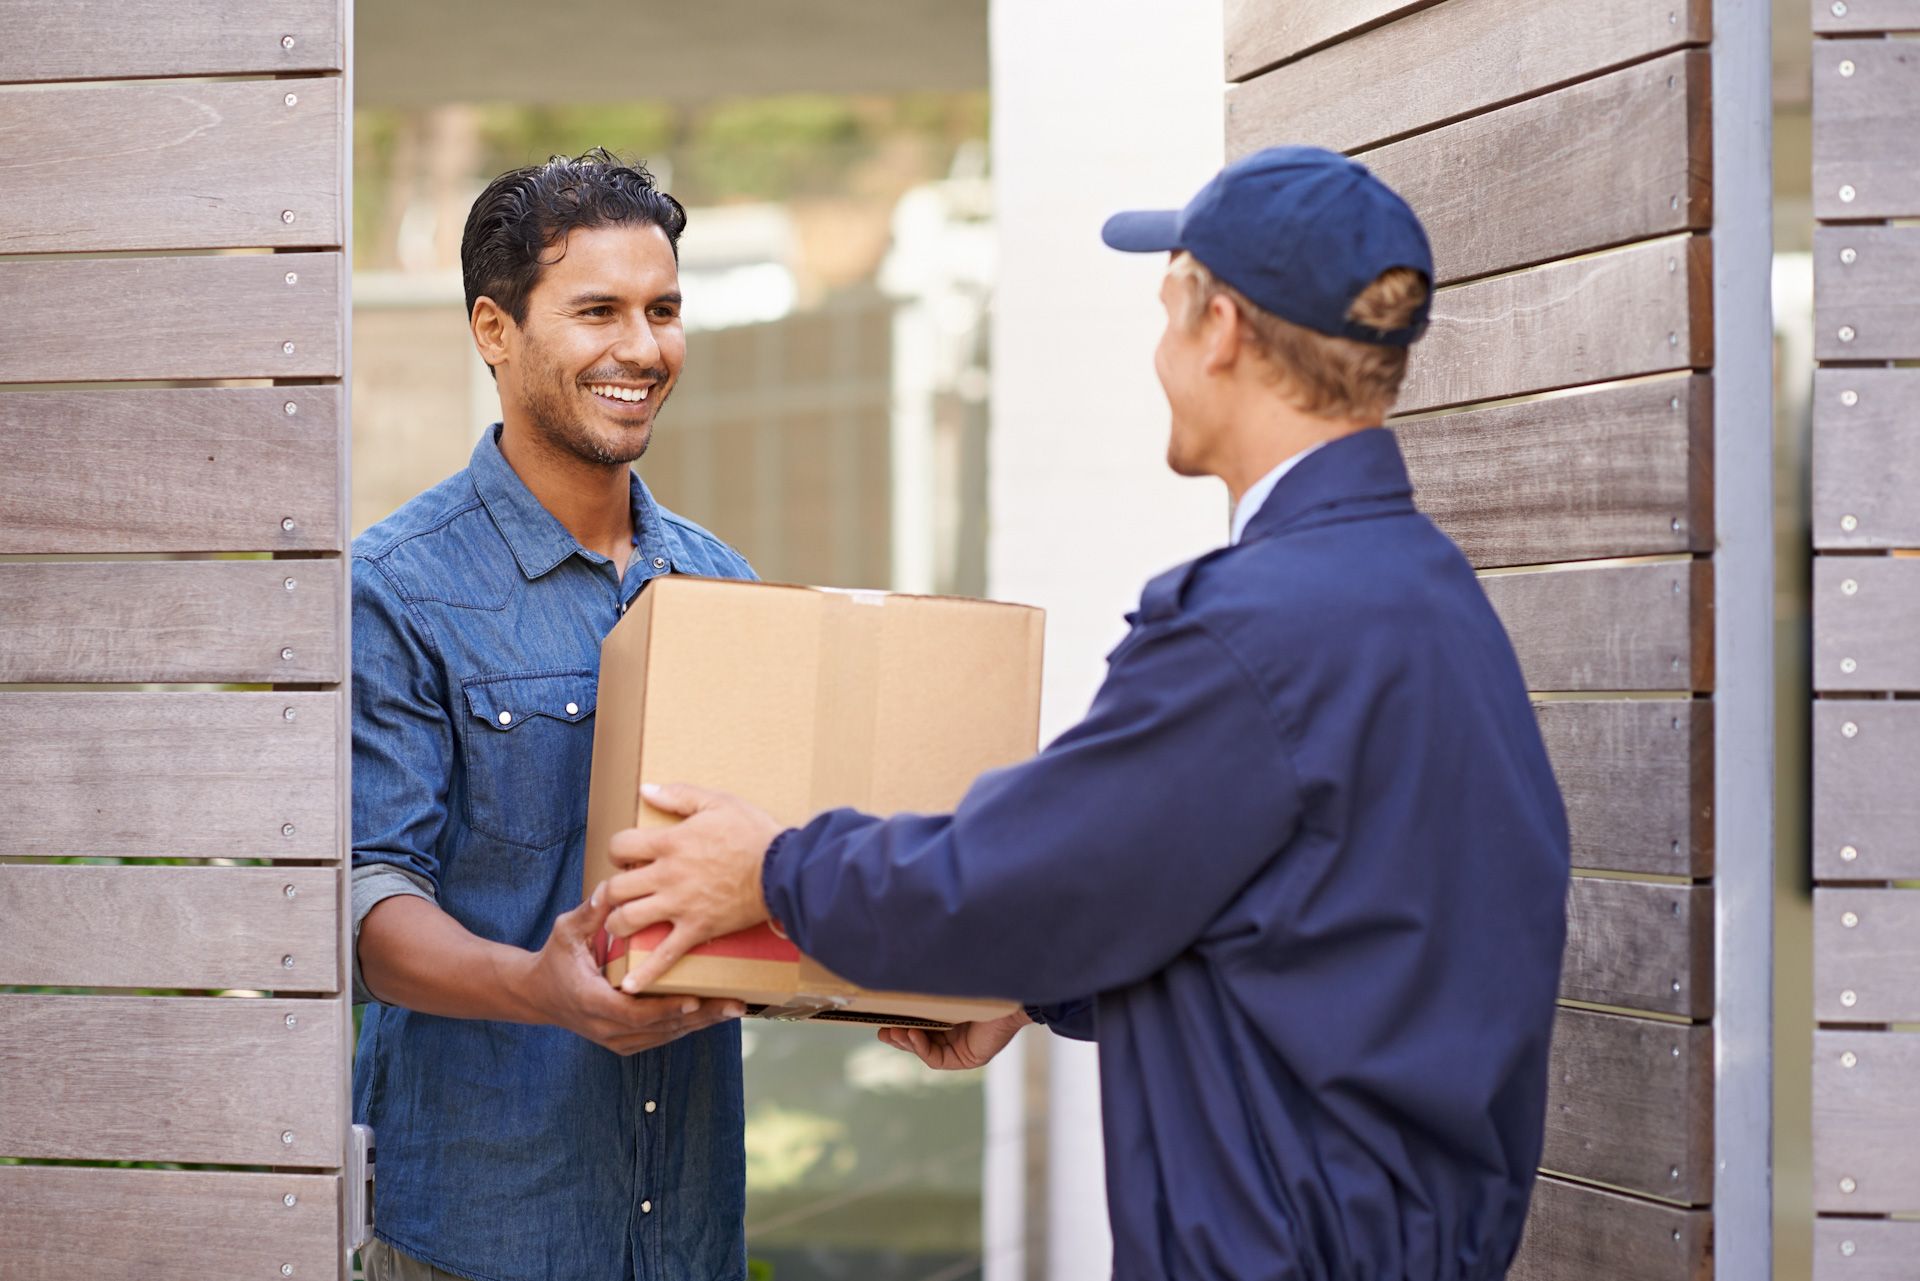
<point>757,944</point>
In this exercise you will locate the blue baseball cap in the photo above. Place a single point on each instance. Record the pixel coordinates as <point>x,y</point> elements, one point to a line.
<point>1300,231</point>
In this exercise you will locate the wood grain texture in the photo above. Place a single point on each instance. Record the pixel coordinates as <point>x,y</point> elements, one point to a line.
<point>1866,1122</point>
<point>1866,612</point>
<point>66,1224</point>
<point>1641,310</point>
<point>1624,471</point>
<point>171,927</point>
<point>172,165</point>
<point>1641,945</point>
<point>202,1080</point>
<point>223,316</point>
<point>1864,801</point>
<point>1260,33</point>
<point>100,774</point>
<point>1616,627</point>
<point>1866,452</point>
<point>199,621</point>
<point>180,470</point>
<point>1871,296</point>
<point>1866,942</point>
<point>1866,152</point>
<point>1578,1233</point>
<point>1494,191</point>
<point>131,39</point>
<point>1630,1103</point>
<point>1864,1250</point>
<point>1453,60</point>
<point>1865,17</point>
<point>1637,778</point>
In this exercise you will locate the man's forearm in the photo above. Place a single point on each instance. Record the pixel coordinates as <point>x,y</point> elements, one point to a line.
<point>412,954</point>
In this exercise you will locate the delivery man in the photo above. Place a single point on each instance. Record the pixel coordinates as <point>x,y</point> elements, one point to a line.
<point>1301,871</point>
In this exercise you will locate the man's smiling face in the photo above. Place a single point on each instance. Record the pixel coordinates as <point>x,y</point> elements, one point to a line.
<point>602,345</point>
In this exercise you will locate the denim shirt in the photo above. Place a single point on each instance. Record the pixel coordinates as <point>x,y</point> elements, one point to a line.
<point>509,1152</point>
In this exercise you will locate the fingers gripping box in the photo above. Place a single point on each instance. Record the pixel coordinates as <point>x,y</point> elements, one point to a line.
<point>800,700</point>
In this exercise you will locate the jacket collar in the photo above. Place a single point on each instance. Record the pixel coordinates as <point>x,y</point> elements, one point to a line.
<point>1363,467</point>
<point>537,539</point>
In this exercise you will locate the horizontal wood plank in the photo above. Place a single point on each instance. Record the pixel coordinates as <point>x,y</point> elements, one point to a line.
<point>1864,1250</point>
<point>131,39</point>
<point>1863,308</point>
<point>1260,33</point>
<point>1578,1233</point>
<point>1637,778</point>
<point>110,774</point>
<point>262,929</point>
<point>1624,471</point>
<point>1866,956</point>
<point>1641,945</point>
<point>220,316</point>
<point>180,470</point>
<point>1448,62</point>
<point>1866,810</point>
<point>1630,1103</point>
<point>173,165</point>
<point>1866,152</point>
<point>1866,17</point>
<point>1641,310</point>
<point>1866,613</point>
<point>1866,451</point>
<point>1866,1122</point>
<point>1493,190</point>
<point>1614,627</point>
<point>191,621</point>
<point>66,1224</point>
<point>201,1080</point>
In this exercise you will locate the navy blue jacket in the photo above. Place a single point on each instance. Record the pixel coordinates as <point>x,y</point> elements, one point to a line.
<point>1302,873</point>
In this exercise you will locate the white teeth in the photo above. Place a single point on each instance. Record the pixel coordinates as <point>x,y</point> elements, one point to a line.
<point>632,395</point>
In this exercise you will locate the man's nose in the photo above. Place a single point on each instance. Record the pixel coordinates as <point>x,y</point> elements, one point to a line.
<point>635,345</point>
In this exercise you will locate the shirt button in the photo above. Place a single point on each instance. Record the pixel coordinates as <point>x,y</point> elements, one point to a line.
<point>506,718</point>
<point>659,562</point>
<point>651,1105</point>
<point>573,709</point>
<point>646,1207</point>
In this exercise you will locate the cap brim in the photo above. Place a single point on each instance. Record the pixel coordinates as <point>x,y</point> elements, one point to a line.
<point>1147,231</point>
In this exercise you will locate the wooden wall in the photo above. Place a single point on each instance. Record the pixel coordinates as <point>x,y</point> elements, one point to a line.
<point>1866,593</point>
<point>173,639</point>
<point>1561,413</point>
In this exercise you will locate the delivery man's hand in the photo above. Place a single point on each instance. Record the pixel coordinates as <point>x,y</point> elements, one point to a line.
<point>960,1047</point>
<point>702,876</point>
<point>564,984</point>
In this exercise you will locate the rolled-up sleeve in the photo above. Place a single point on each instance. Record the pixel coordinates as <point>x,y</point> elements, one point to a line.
<point>1084,870</point>
<point>402,751</point>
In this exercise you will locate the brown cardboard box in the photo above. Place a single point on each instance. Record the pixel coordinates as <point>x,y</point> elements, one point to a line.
<point>801,700</point>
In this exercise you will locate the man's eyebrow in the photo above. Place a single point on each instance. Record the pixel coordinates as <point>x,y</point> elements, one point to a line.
<point>672,296</point>
<point>586,299</point>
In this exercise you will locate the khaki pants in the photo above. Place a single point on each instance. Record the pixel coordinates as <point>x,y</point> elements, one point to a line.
<point>381,1262</point>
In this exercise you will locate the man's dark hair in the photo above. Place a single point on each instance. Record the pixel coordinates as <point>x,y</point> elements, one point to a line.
<point>525,212</point>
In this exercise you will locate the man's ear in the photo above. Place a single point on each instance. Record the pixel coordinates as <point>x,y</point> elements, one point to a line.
<point>1221,328</point>
<point>492,331</point>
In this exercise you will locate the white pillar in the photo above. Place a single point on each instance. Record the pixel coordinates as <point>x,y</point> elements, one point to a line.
<point>1098,105</point>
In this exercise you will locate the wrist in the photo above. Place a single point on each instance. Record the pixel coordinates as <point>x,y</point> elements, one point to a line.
<point>516,976</point>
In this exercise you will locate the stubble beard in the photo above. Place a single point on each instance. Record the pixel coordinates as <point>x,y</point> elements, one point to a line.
<point>555,418</point>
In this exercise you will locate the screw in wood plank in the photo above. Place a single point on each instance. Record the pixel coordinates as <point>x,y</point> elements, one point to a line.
<point>1676,985</point>
<point>286,1137</point>
<point>1847,852</point>
<point>1849,523</point>
<point>1673,202</point>
<point>1847,1248</point>
<point>292,1021</point>
<point>1847,193</point>
<point>286,1269</point>
<point>1848,1185</point>
<point>1849,1059</point>
<point>1673,340</point>
<point>287,216</point>
<point>1847,333</point>
<point>1848,731</point>
<point>1849,398</point>
<point>293,277</point>
<point>286,655</point>
<point>286,963</point>
<point>286,348</point>
<point>287,583</point>
<point>1676,1236</point>
<point>290,408</point>
<point>1839,8</point>
<point>1849,587</point>
<point>292,100</point>
<point>286,523</point>
<point>289,1200</point>
<point>288,714</point>
<point>1676,1051</point>
<point>286,829</point>
<point>287,42</point>
<point>1849,998</point>
<point>1847,665</point>
<point>1850,919</point>
<point>1846,66</point>
<point>1674,1174</point>
<point>291,891</point>
<point>1849,256</point>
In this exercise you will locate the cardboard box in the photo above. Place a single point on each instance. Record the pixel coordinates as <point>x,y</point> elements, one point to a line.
<point>801,700</point>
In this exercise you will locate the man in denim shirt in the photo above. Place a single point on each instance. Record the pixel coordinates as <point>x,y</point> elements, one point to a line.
<point>532,1122</point>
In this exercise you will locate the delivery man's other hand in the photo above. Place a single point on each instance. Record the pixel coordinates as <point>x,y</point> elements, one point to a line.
<point>960,1047</point>
<point>702,875</point>
<point>562,985</point>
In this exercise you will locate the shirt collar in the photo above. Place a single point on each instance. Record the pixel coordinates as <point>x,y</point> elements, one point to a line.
<point>1256,496</point>
<point>535,536</point>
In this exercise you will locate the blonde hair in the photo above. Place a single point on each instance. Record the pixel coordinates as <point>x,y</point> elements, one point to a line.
<point>1317,374</point>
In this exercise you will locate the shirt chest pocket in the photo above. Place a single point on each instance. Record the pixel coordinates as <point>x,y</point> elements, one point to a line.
<point>529,746</point>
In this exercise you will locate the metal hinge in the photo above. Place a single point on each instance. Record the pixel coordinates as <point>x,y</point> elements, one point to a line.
<point>360,1187</point>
